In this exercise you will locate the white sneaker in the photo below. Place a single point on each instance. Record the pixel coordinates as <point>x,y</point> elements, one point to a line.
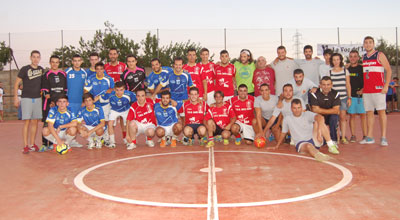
<point>91,145</point>
<point>131,146</point>
<point>74,143</point>
<point>99,144</point>
<point>291,142</point>
<point>150,143</point>
<point>111,145</point>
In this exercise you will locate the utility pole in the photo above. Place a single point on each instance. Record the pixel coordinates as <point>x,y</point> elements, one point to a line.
<point>297,44</point>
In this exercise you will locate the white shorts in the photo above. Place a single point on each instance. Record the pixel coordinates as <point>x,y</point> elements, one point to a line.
<point>62,135</point>
<point>143,127</point>
<point>168,130</point>
<point>210,98</point>
<point>114,116</point>
<point>106,110</point>
<point>247,131</point>
<point>227,98</point>
<point>374,101</point>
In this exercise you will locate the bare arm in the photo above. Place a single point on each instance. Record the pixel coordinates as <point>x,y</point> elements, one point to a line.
<point>156,91</point>
<point>279,141</point>
<point>322,111</point>
<point>259,122</point>
<point>16,85</point>
<point>229,126</point>
<point>385,63</point>
<point>99,126</point>
<point>205,90</point>
<point>54,133</point>
<point>348,88</point>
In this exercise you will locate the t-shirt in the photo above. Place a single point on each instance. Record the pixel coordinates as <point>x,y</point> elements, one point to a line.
<point>244,75</point>
<point>325,101</point>
<point>90,72</point>
<point>356,79</point>
<point>261,76</point>
<point>99,86</point>
<point>208,73</point>
<point>91,117</point>
<point>156,78</point>
<point>244,109</point>
<point>224,79</point>
<point>194,113</point>
<point>134,80</point>
<point>194,72</point>
<point>324,70</point>
<point>115,71</point>
<point>32,81</point>
<point>301,91</point>
<point>390,90</point>
<point>1,95</point>
<point>166,116</point>
<point>179,85</point>
<point>54,83</point>
<point>283,73</point>
<point>286,109</point>
<point>339,82</point>
<point>142,114</point>
<point>301,128</point>
<point>310,68</point>
<point>60,118</point>
<point>267,106</point>
<point>119,104</point>
<point>75,82</point>
<point>221,115</point>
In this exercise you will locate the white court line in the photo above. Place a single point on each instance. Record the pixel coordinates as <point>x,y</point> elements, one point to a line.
<point>212,209</point>
<point>346,179</point>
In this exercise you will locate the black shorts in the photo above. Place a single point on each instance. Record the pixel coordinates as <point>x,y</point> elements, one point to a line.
<point>393,97</point>
<point>266,120</point>
<point>218,130</point>
<point>194,127</point>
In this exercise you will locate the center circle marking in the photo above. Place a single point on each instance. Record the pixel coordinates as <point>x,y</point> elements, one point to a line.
<point>78,181</point>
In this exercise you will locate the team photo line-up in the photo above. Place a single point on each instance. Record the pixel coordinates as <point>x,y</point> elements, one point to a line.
<point>303,102</point>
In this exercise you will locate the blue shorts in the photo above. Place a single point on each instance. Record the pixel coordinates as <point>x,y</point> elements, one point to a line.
<point>357,106</point>
<point>75,107</point>
<point>311,141</point>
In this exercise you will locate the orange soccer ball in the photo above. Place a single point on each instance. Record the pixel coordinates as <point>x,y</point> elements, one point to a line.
<point>260,142</point>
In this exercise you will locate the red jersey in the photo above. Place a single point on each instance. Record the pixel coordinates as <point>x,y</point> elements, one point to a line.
<point>208,73</point>
<point>194,72</point>
<point>143,114</point>
<point>194,114</point>
<point>115,71</point>
<point>261,76</point>
<point>224,79</point>
<point>221,115</point>
<point>373,73</point>
<point>244,110</point>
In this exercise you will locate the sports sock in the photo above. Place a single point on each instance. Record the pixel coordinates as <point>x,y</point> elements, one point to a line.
<point>148,138</point>
<point>238,136</point>
<point>112,138</point>
<point>124,134</point>
<point>211,138</point>
<point>330,143</point>
<point>134,141</point>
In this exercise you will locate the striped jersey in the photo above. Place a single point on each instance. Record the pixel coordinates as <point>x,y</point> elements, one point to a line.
<point>339,82</point>
<point>373,73</point>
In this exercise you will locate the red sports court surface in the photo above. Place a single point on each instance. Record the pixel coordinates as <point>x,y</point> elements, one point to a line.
<point>233,182</point>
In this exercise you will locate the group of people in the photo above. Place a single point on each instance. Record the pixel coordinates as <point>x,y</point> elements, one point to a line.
<point>298,101</point>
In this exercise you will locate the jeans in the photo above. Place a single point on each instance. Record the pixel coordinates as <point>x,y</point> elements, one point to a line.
<point>332,122</point>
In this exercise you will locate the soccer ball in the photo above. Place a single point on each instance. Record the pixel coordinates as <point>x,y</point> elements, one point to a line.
<point>62,149</point>
<point>260,142</point>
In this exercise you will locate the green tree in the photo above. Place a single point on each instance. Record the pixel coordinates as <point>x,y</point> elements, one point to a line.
<point>5,56</point>
<point>388,49</point>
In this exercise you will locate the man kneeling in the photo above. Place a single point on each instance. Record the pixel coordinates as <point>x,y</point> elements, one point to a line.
<point>61,123</point>
<point>308,131</point>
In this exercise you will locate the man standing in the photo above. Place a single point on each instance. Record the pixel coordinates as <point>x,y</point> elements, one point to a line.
<point>308,131</point>
<point>208,74</point>
<point>114,68</point>
<point>302,86</point>
<point>357,103</point>
<point>263,75</point>
<point>31,102</point>
<point>310,65</point>
<point>326,102</point>
<point>376,86</point>
<point>133,77</point>
<point>225,76</point>
<point>76,78</point>
<point>220,119</point>
<point>193,69</point>
<point>160,74</point>
<point>243,106</point>
<point>325,67</point>
<point>284,68</point>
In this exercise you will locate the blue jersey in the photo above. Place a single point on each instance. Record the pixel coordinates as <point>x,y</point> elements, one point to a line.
<point>120,104</point>
<point>178,85</point>
<point>75,83</point>
<point>58,118</point>
<point>156,78</point>
<point>165,116</point>
<point>99,86</point>
<point>91,73</point>
<point>91,117</point>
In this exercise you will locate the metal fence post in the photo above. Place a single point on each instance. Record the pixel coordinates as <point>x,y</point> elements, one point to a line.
<point>397,54</point>
<point>62,48</point>
<point>10,83</point>
<point>338,36</point>
<point>158,44</point>
<point>281,38</point>
<point>225,38</point>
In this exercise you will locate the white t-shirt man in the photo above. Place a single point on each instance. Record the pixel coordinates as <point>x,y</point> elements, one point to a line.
<point>324,70</point>
<point>301,128</point>
<point>301,91</point>
<point>286,109</point>
<point>310,68</point>
<point>283,73</point>
<point>267,106</point>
